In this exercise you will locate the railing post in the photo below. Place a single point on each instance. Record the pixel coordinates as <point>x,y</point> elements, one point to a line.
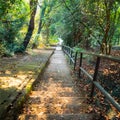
<point>75,60</point>
<point>70,56</point>
<point>95,75</point>
<point>68,50</point>
<point>81,55</point>
<point>63,48</point>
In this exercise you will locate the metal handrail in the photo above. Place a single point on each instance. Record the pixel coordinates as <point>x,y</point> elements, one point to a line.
<point>94,78</point>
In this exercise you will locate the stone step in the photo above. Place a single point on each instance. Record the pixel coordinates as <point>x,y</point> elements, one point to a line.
<point>58,117</point>
<point>71,117</point>
<point>58,84</point>
<point>57,81</point>
<point>43,94</point>
<point>50,108</point>
<point>57,100</point>
<point>54,88</point>
<point>57,78</point>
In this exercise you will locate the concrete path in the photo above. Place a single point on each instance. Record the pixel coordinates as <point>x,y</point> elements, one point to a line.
<point>56,96</point>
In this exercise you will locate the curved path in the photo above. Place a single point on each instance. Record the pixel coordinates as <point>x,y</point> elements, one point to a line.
<point>55,96</point>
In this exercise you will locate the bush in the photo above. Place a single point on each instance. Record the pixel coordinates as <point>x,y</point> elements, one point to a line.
<point>11,23</point>
<point>2,50</point>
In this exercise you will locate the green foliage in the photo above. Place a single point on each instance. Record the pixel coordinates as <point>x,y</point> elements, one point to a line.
<point>2,50</point>
<point>53,40</point>
<point>79,49</point>
<point>12,18</point>
<point>89,22</point>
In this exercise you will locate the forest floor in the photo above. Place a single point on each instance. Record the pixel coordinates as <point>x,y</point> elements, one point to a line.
<point>17,75</point>
<point>109,78</point>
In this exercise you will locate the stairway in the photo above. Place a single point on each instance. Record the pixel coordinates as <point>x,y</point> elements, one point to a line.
<point>55,96</point>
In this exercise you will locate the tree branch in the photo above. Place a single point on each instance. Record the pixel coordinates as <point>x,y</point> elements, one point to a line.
<point>66,5</point>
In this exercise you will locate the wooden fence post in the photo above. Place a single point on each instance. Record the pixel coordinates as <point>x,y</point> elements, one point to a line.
<point>80,65</point>
<point>70,56</point>
<point>95,75</point>
<point>75,60</point>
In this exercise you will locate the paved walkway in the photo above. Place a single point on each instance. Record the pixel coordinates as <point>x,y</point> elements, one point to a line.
<point>56,97</point>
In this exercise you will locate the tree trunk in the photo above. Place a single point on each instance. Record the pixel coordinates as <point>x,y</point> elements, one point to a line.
<point>106,42</point>
<point>47,33</point>
<point>41,18</point>
<point>42,13</point>
<point>33,8</point>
